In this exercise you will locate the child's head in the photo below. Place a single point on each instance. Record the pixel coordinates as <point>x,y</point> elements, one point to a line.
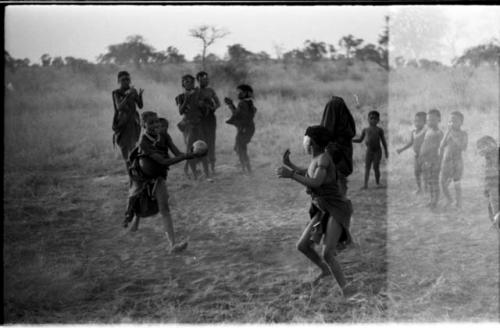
<point>150,122</point>
<point>244,91</point>
<point>124,79</point>
<point>316,138</point>
<point>420,119</point>
<point>188,82</point>
<point>433,118</point>
<point>456,120</point>
<point>485,145</point>
<point>202,78</point>
<point>373,117</point>
<point>163,124</point>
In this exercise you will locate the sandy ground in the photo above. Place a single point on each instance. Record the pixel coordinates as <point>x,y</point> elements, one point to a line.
<point>67,258</point>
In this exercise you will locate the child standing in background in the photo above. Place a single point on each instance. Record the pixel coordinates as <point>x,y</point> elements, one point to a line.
<point>429,155</point>
<point>416,140</point>
<point>374,137</point>
<point>209,102</point>
<point>242,118</point>
<point>452,146</point>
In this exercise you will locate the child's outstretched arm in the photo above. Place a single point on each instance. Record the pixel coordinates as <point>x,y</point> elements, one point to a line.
<point>173,147</point>
<point>361,138</point>
<point>315,181</point>
<point>171,161</point>
<point>384,143</point>
<point>405,147</point>
<point>288,162</point>
<point>230,104</point>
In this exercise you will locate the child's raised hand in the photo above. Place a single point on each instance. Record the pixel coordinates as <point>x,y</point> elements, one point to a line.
<point>141,91</point>
<point>286,157</point>
<point>284,172</point>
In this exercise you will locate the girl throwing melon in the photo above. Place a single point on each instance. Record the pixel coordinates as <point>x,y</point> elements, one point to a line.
<point>148,166</point>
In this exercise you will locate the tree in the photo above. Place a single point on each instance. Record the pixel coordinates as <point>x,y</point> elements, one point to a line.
<point>174,56</point>
<point>133,51</point>
<point>485,53</point>
<point>314,51</point>
<point>332,50</point>
<point>237,53</point>
<point>58,62</point>
<point>46,59</point>
<point>350,44</point>
<point>208,35</point>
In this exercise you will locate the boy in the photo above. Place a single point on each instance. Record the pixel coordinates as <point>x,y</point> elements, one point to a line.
<point>330,208</point>
<point>429,155</point>
<point>126,125</point>
<point>209,103</point>
<point>148,170</point>
<point>242,117</point>
<point>191,124</point>
<point>452,146</point>
<point>338,120</point>
<point>487,147</point>
<point>416,139</point>
<point>374,136</point>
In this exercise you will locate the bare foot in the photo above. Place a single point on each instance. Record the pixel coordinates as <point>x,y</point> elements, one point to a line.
<point>179,247</point>
<point>364,188</point>
<point>349,290</point>
<point>380,186</point>
<point>135,225</point>
<point>322,275</point>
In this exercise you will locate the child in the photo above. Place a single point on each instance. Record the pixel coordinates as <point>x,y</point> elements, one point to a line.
<point>452,146</point>
<point>148,170</point>
<point>488,148</point>
<point>429,155</point>
<point>416,139</point>
<point>191,124</point>
<point>374,136</point>
<point>330,209</point>
<point>242,118</point>
<point>209,103</point>
<point>126,125</point>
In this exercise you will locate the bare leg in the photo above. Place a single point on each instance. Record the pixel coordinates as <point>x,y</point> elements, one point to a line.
<point>445,183</point>
<point>368,167</point>
<point>458,191</point>
<point>376,169</point>
<point>418,177</point>
<point>162,198</point>
<point>333,233</point>
<point>305,246</point>
<point>204,162</point>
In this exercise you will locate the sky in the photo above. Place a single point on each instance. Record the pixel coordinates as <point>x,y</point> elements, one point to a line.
<point>86,31</point>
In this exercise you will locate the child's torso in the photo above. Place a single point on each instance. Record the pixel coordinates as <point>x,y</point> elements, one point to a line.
<point>372,136</point>
<point>430,145</point>
<point>418,139</point>
<point>453,151</point>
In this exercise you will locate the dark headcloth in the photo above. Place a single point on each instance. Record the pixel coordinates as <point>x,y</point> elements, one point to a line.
<point>319,134</point>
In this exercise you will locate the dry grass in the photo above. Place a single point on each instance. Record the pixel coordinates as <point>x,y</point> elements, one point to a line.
<point>443,265</point>
<point>67,259</point>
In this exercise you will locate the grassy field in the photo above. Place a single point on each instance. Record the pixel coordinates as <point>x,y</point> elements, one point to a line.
<point>67,259</point>
<point>442,265</point>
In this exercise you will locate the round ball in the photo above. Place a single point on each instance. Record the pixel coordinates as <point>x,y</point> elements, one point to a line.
<point>200,147</point>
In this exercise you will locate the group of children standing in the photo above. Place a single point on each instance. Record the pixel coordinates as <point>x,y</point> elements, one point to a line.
<point>147,155</point>
<point>438,156</point>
